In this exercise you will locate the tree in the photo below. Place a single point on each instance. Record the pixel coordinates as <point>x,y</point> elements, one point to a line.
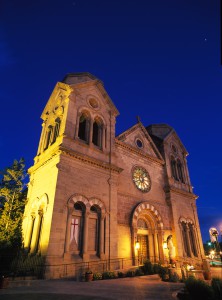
<point>13,193</point>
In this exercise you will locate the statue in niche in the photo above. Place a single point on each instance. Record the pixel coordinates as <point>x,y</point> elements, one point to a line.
<point>171,249</point>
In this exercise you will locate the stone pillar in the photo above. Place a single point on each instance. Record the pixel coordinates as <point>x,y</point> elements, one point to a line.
<point>90,130</point>
<point>151,247</point>
<point>85,235</point>
<point>77,125</point>
<point>36,233</point>
<point>31,224</point>
<point>101,242</point>
<point>188,241</point>
<point>103,137</point>
<point>156,247</point>
<point>42,139</point>
<point>68,227</point>
<point>160,243</point>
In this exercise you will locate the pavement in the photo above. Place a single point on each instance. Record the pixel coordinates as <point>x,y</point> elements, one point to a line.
<point>148,287</point>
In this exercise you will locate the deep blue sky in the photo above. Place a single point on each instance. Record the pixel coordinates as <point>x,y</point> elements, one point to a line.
<point>158,59</point>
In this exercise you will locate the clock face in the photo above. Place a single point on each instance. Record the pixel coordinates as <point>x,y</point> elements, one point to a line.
<point>141,179</point>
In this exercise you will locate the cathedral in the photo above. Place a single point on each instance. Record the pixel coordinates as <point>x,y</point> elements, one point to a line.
<point>103,201</point>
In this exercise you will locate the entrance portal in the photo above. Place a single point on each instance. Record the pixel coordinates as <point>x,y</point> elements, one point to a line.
<point>143,252</point>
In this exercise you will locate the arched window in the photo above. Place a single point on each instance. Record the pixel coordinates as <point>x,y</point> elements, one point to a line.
<point>185,240</point>
<point>173,168</point>
<point>48,137</point>
<point>39,230</point>
<point>180,171</point>
<point>141,223</point>
<point>94,225</point>
<point>76,229</point>
<point>56,129</point>
<point>83,132</point>
<point>192,239</point>
<point>97,132</point>
<point>31,229</point>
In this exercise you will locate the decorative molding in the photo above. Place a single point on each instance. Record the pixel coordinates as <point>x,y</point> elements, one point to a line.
<point>90,160</point>
<point>138,152</point>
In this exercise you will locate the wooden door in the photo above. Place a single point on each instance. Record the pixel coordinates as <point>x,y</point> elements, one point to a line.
<point>143,252</point>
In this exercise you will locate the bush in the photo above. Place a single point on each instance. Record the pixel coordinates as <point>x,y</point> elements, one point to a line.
<point>163,273</point>
<point>97,276</point>
<point>216,284</point>
<point>156,268</point>
<point>139,272</point>
<point>130,274</point>
<point>121,275</point>
<point>174,277</point>
<point>148,267</point>
<point>199,289</point>
<point>108,275</point>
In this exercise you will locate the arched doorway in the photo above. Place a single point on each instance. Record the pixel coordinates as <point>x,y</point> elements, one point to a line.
<point>147,232</point>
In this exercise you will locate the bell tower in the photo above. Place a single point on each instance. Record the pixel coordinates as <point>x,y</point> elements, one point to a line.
<point>69,195</point>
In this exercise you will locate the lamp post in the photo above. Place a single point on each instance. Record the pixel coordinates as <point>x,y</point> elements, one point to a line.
<point>137,247</point>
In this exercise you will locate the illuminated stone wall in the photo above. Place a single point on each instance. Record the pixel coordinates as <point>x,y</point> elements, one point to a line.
<point>83,203</point>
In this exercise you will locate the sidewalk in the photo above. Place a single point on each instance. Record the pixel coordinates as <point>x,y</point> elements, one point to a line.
<point>143,287</point>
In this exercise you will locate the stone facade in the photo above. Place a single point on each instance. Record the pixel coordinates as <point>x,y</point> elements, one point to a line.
<point>92,195</point>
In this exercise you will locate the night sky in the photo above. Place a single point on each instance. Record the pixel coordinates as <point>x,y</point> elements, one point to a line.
<point>158,59</point>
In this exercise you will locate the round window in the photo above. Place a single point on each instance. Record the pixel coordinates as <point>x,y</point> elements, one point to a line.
<point>93,103</point>
<point>139,143</point>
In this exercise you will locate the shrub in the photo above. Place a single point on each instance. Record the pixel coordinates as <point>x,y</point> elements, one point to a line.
<point>97,276</point>
<point>216,284</point>
<point>121,275</point>
<point>130,274</point>
<point>163,273</point>
<point>156,268</point>
<point>139,272</point>
<point>148,267</point>
<point>199,289</point>
<point>108,275</point>
<point>174,277</point>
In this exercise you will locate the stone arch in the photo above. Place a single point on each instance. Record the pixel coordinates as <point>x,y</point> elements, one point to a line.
<point>145,206</point>
<point>77,198</point>
<point>43,202</point>
<point>99,203</point>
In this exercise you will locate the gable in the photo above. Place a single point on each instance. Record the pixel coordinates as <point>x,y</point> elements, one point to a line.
<point>174,142</point>
<point>137,138</point>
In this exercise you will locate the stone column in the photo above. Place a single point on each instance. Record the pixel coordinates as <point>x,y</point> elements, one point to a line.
<point>101,242</point>
<point>188,241</point>
<point>103,137</point>
<point>30,232</point>
<point>77,125</point>
<point>36,233</point>
<point>42,139</point>
<point>156,247</point>
<point>90,130</point>
<point>85,235</point>
<point>151,247</point>
<point>68,227</point>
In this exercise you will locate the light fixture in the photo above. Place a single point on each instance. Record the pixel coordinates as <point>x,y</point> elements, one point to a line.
<point>137,245</point>
<point>164,245</point>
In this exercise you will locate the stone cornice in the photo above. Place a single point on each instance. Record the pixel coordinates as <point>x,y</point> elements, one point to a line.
<point>172,190</point>
<point>138,152</point>
<point>90,160</point>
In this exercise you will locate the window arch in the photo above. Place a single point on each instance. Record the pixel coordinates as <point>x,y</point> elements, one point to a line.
<point>84,123</point>
<point>188,237</point>
<point>180,171</point>
<point>97,132</point>
<point>76,227</point>
<point>48,137</point>
<point>56,129</point>
<point>94,229</point>
<point>173,168</point>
